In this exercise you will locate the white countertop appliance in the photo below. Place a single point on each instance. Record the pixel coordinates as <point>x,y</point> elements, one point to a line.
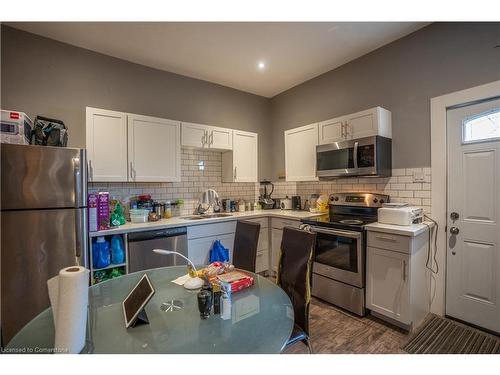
<point>16,127</point>
<point>286,203</point>
<point>401,215</point>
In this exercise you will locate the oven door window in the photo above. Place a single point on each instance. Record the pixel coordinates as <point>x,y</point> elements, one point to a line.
<point>335,159</point>
<point>337,251</point>
<point>366,156</point>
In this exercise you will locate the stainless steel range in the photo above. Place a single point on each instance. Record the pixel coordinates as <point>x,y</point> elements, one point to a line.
<point>340,256</point>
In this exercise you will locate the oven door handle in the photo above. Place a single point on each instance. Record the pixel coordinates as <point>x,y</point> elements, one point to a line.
<point>337,232</point>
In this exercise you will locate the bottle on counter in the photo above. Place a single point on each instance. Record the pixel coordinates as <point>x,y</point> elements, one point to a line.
<point>117,249</point>
<point>101,255</point>
<point>241,205</point>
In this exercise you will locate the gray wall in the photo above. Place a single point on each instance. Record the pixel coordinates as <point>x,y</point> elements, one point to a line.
<point>402,77</point>
<point>43,76</point>
<point>46,77</point>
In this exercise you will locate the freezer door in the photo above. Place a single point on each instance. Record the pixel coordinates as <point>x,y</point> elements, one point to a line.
<point>43,177</point>
<point>36,244</point>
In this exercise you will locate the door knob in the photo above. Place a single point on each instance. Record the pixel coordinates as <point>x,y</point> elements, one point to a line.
<point>454,230</point>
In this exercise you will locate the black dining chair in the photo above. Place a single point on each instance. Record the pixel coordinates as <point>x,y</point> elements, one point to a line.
<point>246,240</point>
<point>294,277</point>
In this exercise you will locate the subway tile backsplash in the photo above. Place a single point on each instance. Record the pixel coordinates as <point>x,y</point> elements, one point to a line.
<point>202,169</point>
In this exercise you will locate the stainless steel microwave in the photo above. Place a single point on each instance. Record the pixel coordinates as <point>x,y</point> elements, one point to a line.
<point>370,156</point>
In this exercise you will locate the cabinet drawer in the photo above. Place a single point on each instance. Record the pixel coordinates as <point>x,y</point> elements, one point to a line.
<point>389,241</point>
<point>206,230</point>
<point>262,262</point>
<point>263,221</point>
<point>280,223</point>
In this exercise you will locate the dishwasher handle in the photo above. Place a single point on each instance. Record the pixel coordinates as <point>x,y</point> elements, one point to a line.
<point>153,234</point>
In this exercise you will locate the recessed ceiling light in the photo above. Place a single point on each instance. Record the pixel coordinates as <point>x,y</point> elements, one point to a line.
<point>261,65</point>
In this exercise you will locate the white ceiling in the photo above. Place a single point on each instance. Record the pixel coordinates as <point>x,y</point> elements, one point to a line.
<point>228,53</point>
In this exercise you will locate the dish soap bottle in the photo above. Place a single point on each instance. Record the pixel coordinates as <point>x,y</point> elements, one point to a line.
<point>117,250</point>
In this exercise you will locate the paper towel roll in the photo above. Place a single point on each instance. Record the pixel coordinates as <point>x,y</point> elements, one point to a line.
<point>69,296</point>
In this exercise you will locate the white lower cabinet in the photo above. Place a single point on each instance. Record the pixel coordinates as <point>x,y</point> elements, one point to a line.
<point>387,289</point>
<point>202,237</point>
<point>397,283</point>
<point>262,259</point>
<point>277,226</point>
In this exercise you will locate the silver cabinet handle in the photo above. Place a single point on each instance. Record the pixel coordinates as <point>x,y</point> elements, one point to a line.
<point>212,137</point>
<point>91,171</point>
<point>382,238</point>
<point>355,156</point>
<point>235,174</point>
<point>203,139</point>
<point>342,129</point>
<point>132,171</point>
<point>404,270</point>
<point>346,128</point>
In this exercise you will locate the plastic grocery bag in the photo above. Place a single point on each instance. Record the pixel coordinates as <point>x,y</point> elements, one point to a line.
<point>218,253</point>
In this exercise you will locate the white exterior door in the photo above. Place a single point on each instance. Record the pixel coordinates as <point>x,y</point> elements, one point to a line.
<point>106,142</point>
<point>154,149</point>
<point>300,153</point>
<point>473,254</point>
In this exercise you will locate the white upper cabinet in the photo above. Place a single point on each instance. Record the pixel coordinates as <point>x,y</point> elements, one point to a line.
<point>106,142</point>
<point>370,122</point>
<point>300,153</point>
<point>241,164</point>
<point>154,149</point>
<point>205,136</point>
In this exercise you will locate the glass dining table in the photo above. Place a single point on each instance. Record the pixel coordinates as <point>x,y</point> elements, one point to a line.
<point>261,320</point>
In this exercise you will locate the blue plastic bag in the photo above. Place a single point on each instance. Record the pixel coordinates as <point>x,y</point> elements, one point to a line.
<point>218,253</point>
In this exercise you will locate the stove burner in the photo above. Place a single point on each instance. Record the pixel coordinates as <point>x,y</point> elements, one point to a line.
<point>351,221</point>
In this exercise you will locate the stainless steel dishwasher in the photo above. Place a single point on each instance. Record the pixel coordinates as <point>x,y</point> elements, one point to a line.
<point>142,244</point>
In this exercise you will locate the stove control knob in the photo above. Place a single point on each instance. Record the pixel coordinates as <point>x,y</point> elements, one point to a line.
<point>375,200</point>
<point>382,201</point>
<point>335,199</point>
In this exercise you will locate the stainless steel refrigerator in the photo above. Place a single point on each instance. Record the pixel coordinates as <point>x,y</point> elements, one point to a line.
<point>43,226</point>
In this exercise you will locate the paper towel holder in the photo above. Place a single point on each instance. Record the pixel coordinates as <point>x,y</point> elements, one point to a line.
<point>135,302</point>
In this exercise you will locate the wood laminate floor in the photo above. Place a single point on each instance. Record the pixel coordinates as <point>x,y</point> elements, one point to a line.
<point>335,331</point>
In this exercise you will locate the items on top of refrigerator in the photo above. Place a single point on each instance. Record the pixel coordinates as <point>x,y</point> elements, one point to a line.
<point>16,127</point>
<point>49,132</point>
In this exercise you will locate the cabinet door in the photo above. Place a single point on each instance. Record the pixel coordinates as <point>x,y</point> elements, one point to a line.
<point>387,285</point>
<point>228,241</point>
<point>154,149</point>
<point>199,250</point>
<point>331,131</point>
<point>276,236</point>
<point>300,153</point>
<point>245,156</point>
<point>220,138</point>
<point>106,143</point>
<point>194,135</point>
<point>362,124</point>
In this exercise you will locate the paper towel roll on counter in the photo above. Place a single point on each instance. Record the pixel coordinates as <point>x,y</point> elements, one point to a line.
<point>69,297</point>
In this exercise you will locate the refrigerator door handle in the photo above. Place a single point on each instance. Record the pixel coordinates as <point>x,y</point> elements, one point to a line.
<point>80,177</point>
<point>81,237</point>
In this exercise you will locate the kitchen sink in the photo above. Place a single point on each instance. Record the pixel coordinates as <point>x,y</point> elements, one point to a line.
<point>209,216</point>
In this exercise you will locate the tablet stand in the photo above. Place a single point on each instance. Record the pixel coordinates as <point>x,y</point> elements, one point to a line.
<point>142,318</point>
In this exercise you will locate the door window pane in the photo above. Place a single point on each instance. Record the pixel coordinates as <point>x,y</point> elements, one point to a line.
<point>482,127</point>
<point>338,252</point>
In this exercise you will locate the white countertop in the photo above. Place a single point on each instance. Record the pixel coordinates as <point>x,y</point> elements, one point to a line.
<point>178,221</point>
<point>404,230</point>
